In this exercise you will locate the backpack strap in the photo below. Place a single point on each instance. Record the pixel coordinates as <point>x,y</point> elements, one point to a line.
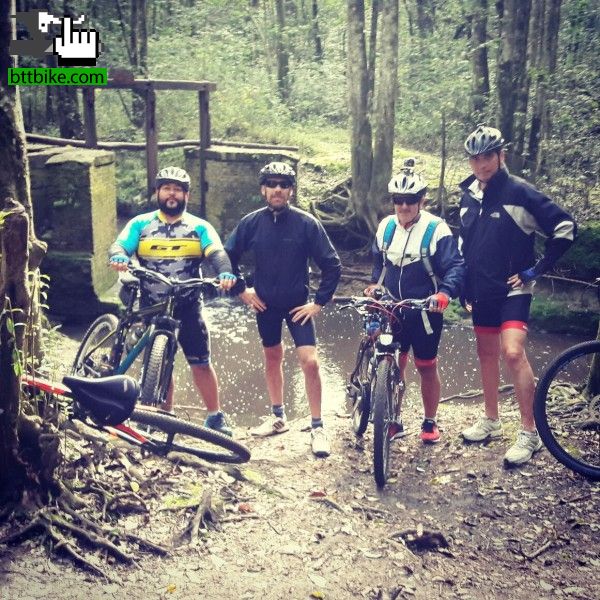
<point>425,255</point>
<point>388,236</point>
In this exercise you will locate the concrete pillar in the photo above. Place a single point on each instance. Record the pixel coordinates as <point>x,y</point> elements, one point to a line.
<point>232,177</point>
<point>74,201</point>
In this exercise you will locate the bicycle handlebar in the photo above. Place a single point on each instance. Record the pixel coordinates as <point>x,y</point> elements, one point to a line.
<point>149,274</point>
<point>358,302</point>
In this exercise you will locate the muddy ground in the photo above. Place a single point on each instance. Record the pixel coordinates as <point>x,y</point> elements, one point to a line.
<point>451,523</point>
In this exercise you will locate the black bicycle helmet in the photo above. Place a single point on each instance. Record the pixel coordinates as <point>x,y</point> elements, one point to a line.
<point>407,182</point>
<point>173,175</point>
<point>484,139</point>
<point>277,169</point>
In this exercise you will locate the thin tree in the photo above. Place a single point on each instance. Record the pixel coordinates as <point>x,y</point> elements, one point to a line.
<point>546,30</point>
<point>480,89</point>
<point>283,57</point>
<point>512,80</point>
<point>372,145</point>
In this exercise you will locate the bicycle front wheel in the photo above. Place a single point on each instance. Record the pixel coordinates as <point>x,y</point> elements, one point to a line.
<point>567,408</point>
<point>93,356</point>
<point>360,388</point>
<point>171,434</point>
<point>383,413</point>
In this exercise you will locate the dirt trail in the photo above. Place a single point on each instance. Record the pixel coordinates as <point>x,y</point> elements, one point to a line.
<point>306,526</point>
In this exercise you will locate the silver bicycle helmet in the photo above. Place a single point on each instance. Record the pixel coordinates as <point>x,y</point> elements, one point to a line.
<point>277,169</point>
<point>173,175</point>
<point>484,139</point>
<point>408,182</point>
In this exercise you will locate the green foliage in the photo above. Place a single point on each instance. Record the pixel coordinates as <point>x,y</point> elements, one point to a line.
<point>555,316</point>
<point>582,260</point>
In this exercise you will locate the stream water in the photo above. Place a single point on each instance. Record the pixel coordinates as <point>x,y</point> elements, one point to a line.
<point>237,358</point>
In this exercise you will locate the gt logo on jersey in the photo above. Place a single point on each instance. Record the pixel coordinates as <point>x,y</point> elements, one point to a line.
<point>170,248</point>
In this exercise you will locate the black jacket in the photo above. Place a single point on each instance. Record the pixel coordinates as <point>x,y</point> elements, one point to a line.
<point>497,233</point>
<point>282,244</point>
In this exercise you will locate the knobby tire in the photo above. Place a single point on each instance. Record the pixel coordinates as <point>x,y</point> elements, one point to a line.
<point>560,441</point>
<point>361,406</point>
<point>382,414</point>
<point>232,452</point>
<point>104,326</point>
<point>157,371</point>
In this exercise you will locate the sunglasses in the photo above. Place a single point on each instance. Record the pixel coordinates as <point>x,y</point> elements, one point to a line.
<point>408,200</point>
<point>272,183</point>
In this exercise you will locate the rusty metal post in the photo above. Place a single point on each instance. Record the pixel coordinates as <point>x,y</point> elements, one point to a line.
<point>151,140</point>
<point>204,115</point>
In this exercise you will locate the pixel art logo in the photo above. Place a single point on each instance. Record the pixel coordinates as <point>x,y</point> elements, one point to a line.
<point>71,46</point>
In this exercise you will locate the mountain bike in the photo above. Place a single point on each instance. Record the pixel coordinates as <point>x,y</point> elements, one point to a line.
<point>375,386</point>
<point>111,344</point>
<point>567,407</point>
<point>108,404</point>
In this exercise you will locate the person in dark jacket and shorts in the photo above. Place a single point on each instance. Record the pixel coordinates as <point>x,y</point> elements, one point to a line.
<point>415,256</point>
<point>282,240</point>
<point>500,214</point>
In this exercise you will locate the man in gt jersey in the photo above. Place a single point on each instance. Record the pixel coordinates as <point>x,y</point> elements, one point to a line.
<point>173,242</point>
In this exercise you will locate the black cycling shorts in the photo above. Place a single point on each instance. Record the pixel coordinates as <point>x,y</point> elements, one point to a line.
<point>494,315</point>
<point>409,331</point>
<point>269,323</point>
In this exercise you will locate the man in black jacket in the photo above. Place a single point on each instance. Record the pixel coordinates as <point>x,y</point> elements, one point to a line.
<point>282,239</point>
<point>500,214</point>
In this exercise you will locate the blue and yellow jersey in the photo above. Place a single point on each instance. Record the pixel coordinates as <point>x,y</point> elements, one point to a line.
<point>173,249</point>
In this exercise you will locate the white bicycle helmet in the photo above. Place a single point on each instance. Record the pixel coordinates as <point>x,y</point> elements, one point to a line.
<point>407,182</point>
<point>173,175</point>
<point>277,169</point>
<point>484,139</point>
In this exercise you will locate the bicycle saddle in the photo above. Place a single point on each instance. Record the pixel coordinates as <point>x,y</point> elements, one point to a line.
<point>110,400</point>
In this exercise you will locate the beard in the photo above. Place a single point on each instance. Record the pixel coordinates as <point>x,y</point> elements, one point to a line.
<point>172,211</point>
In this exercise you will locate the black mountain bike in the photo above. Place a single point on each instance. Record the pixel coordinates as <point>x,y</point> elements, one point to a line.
<point>111,345</point>
<point>375,387</point>
<point>567,407</point>
<point>108,404</point>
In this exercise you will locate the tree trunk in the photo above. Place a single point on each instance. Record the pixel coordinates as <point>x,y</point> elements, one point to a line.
<point>425,14</point>
<point>21,252</point>
<point>139,56</point>
<point>375,10</point>
<point>384,115</point>
<point>480,90</point>
<point>547,28</point>
<point>283,57</point>
<point>358,92</point>
<point>512,75</point>
<point>316,32</point>
<point>441,195</point>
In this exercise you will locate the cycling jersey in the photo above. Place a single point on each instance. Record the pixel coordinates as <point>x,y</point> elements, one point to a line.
<point>405,275</point>
<point>173,249</point>
<point>497,233</point>
<point>282,244</point>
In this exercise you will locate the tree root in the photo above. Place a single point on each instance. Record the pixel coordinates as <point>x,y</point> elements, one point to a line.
<point>503,389</point>
<point>204,517</point>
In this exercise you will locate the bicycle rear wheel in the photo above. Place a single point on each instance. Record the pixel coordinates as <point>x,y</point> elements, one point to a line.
<point>383,412</point>
<point>359,388</point>
<point>192,439</point>
<point>567,408</point>
<point>93,356</point>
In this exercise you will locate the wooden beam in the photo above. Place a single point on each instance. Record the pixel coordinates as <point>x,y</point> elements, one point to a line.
<point>204,118</point>
<point>151,140</point>
<point>56,141</point>
<point>89,117</point>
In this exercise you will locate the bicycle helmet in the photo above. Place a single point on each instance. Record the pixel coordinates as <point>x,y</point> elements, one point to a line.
<point>277,169</point>
<point>173,175</point>
<point>407,182</point>
<point>484,139</point>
